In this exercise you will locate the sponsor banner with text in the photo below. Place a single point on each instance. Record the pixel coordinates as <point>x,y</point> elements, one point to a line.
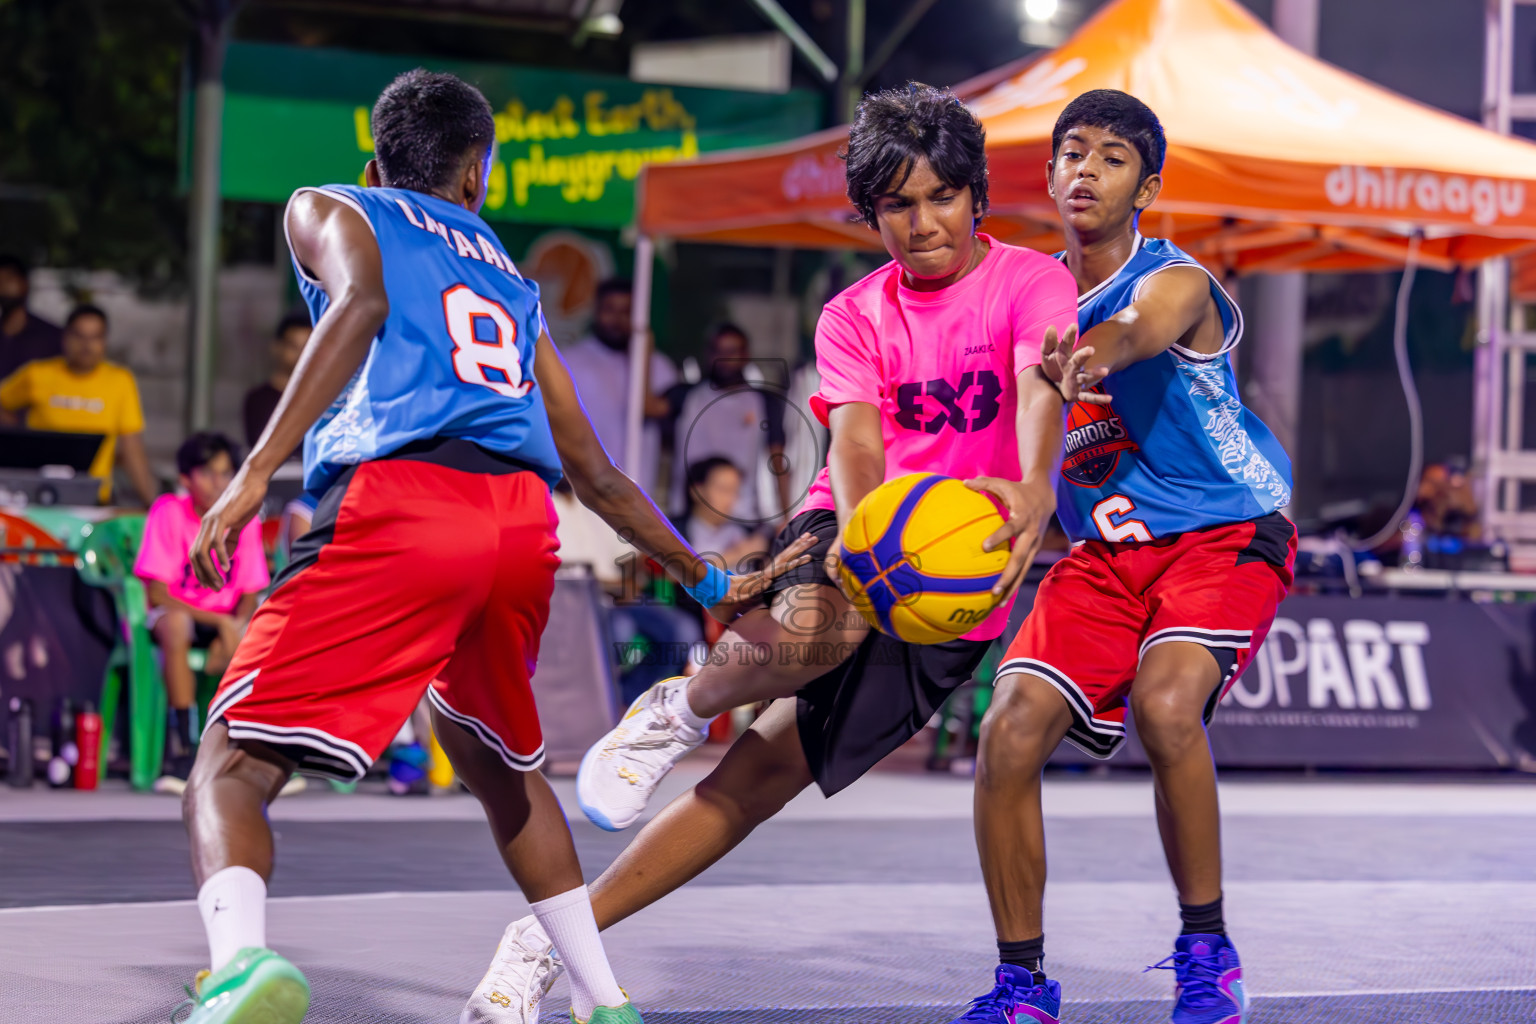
<point>1379,682</point>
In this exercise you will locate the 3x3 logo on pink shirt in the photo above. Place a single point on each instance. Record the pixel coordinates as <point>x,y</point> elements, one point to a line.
<point>971,404</point>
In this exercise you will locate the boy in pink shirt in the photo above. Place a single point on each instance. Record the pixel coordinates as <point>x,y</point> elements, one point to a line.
<point>930,364</point>
<point>182,612</point>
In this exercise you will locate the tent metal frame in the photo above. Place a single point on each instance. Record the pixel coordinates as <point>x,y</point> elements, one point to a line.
<point>1501,464</point>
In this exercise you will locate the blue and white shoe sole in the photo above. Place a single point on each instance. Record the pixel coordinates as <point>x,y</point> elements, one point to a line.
<point>594,814</point>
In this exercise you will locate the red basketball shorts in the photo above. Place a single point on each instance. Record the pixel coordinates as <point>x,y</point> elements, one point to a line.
<point>413,575</point>
<point>1100,609</point>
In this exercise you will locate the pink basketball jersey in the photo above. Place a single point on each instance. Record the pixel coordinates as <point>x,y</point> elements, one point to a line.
<point>942,366</point>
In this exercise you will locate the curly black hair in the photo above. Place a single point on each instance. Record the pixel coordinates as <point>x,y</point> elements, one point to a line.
<point>424,124</point>
<point>894,128</point>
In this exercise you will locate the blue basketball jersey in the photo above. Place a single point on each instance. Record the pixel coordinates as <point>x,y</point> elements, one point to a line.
<point>1175,450</point>
<point>455,355</point>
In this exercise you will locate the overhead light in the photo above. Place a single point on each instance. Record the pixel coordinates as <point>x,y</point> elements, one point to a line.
<point>1040,10</point>
<point>606,25</point>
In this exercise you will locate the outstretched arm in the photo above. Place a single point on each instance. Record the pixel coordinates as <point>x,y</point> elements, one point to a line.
<point>600,486</point>
<point>333,243</point>
<point>1173,303</point>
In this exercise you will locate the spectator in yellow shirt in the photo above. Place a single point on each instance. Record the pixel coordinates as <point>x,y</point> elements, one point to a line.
<point>80,392</point>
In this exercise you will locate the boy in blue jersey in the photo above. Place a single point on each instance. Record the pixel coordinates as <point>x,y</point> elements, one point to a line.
<point>441,415</point>
<point>1171,491</point>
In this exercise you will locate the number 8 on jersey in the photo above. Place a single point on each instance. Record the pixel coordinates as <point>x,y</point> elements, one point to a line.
<point>484,342</point>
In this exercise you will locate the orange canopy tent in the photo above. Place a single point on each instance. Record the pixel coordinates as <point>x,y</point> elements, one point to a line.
<point>1276,161</point>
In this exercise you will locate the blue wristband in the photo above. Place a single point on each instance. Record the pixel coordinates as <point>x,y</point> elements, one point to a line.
<point>711,590</point>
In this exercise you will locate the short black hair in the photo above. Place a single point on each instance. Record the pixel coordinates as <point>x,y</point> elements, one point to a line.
<point>86,309</point>
<point>296,318</point>
<point>894,128</point>
<point>201,448</point>
<point>424,124</point>
<point>698,472</point>
<point>725,327</point>
<point>613,286</point>
<point>14,263</point>
<point>1120,114</point>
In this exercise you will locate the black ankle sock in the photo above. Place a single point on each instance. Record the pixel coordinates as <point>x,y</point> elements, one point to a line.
<point>1202,918</point>
<point>1029,954</point>
<point>181,732</point>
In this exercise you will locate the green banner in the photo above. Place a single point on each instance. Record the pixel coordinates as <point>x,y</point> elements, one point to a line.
<point>570,145</point>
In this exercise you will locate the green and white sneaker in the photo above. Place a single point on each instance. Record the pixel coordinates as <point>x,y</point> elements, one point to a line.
<point>626,1014</point>
<point>257,987</point>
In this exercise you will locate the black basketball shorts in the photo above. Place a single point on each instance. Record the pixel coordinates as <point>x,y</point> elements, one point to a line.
<point>877,697</point>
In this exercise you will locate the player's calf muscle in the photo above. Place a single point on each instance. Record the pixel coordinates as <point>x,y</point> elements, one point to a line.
<point>753,800</point>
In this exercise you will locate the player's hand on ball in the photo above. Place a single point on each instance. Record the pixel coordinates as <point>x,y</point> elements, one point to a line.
<point>221,528</point>
<point>748,587</point>
<point>832,565</point>
<point>1063,364</point>
<point>1030,506</point>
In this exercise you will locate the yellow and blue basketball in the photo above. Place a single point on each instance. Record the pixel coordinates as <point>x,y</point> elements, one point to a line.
<point>912,558</point>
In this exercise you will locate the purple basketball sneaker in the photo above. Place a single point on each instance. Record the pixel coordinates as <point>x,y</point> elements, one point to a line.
<point>1015,1000</point>
<point>1210,981</point>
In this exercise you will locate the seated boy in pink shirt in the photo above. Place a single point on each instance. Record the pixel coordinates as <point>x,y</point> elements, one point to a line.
<point>182,612</point>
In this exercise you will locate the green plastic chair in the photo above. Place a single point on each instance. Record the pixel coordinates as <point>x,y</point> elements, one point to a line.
<point>106,561</point>
<point>70,530</point>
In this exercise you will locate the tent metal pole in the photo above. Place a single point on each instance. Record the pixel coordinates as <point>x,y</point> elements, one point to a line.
<point>813,54</point>
<point>639,356</point>
<point>203,210</point>
<point>1280,300</point>
<point>1494,400</point>
<point>892,42</point>
<point>852,86</point>
<point>1296,23</point>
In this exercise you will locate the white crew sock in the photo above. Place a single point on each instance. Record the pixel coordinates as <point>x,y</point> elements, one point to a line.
<point>568,921</point>
<point>234,907</point>
<point>675,701</point>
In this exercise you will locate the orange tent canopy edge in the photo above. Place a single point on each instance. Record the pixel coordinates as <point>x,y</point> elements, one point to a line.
<point>1276,161</point>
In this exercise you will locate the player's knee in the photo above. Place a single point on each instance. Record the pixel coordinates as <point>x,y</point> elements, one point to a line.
<point>1019,726</point>
<point>1168,721</point>
<point>255,775</point>
<point>174,630</point>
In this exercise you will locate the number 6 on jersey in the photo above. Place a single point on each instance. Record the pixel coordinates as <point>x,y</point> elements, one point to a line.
<point>1125,530</point>
<point>484,342</point>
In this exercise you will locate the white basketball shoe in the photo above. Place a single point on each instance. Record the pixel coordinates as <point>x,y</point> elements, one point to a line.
<point>525,966</point>
<point>623,769</point>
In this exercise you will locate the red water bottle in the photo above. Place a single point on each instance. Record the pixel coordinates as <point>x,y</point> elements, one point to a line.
<point>88,740</point>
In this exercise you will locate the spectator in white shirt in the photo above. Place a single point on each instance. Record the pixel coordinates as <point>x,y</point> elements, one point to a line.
<point>599,365</point>
<point>728,416</point>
